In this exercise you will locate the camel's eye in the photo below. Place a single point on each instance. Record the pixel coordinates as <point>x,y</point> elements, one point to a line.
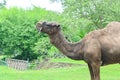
<point>48,25</point>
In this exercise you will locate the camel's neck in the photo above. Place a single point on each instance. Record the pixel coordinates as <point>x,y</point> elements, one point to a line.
<point>71,50</point>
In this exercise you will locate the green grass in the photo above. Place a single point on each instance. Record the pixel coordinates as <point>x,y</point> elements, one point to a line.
<point>51,74</point>
<point>111,72</point>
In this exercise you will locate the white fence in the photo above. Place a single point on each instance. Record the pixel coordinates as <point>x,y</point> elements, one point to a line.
<point>17,64</point>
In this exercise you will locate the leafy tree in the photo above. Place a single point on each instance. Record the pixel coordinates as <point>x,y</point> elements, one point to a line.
<point>2,4</point>
<point>42,47</point>
<point>100,12</point>
<point>18,35</point>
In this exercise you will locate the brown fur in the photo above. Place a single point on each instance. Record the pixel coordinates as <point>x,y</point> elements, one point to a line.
<point>98,48</point>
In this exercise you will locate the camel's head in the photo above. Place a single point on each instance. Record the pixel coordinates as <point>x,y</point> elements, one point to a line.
<point>48,27</point>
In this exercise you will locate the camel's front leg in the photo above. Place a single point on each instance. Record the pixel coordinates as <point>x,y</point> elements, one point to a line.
<point>95,71</point>
<point>91,72</point>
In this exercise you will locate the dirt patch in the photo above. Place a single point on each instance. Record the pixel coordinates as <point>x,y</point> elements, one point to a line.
<point>48,65</point>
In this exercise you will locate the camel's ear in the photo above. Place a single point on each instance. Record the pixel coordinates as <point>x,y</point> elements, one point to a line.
<point>44,23</point>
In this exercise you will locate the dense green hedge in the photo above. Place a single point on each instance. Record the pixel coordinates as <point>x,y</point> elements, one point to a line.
<point>17,31</point>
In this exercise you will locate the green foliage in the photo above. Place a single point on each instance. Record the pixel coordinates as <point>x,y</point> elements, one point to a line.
<point>42,47</point>
<point>99,12</point>
<point>53,52</point>
<point>2,4</point>
<point>17,31</point>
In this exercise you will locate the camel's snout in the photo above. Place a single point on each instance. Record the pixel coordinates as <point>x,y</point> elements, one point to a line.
<point>40,25</point>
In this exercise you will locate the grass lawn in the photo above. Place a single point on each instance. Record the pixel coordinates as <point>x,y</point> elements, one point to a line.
<point>111,72</point>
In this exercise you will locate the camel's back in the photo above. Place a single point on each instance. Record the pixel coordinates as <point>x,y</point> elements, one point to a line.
<point>113,28</point>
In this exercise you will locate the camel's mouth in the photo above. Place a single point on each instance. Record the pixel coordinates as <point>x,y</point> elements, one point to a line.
<point>40,25</point>
<point>39,29</point>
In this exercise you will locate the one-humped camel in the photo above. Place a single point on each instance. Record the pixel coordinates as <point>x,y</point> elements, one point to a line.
<point>97,48</point>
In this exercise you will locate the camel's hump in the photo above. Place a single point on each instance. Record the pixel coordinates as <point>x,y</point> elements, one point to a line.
<point>113,28</point>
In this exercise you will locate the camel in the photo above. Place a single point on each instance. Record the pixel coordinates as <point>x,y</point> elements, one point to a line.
<point>98,48</point>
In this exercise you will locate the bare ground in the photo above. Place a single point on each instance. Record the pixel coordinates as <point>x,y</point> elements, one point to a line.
<point>48,65</point>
